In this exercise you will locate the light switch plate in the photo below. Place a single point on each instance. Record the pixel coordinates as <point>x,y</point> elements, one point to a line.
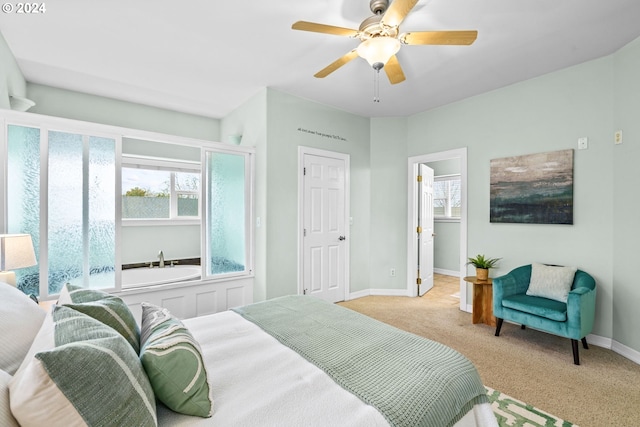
<point>583,143</point>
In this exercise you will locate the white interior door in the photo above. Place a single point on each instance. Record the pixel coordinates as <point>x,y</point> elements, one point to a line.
<point>324,247</point>
<point>426,234</point>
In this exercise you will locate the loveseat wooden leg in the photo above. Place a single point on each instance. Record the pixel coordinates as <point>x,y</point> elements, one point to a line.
<point>498,326</point>
<point>523,327</point>
<point>584,343</point>
<point>576,356</point>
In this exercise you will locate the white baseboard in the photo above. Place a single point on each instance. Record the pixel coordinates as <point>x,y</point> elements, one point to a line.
<point>603,342</point>
<point>359,294</point>
<point>379,292</point>
<point>627,352</point>
<point>446,272</point>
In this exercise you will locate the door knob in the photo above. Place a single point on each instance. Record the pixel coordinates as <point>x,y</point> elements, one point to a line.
<point>342,238</point>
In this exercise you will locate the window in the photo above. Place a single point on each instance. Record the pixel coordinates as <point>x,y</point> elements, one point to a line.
<point>78,200</point>
<point>446,197</point>
<point>95,201</point>
<point>159,193</point>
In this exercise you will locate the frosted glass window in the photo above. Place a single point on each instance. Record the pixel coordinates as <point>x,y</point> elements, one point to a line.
<point>23,196</point>
<point>226,213</point>
<point>81,221</point>
<point>102,212</point>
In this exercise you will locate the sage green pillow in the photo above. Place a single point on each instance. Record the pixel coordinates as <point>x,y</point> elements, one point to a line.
<point>91,377</point>
<point>173,362</point>
<point>107,308</point>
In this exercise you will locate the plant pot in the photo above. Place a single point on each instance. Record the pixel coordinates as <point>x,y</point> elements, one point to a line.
<point>482,273</point>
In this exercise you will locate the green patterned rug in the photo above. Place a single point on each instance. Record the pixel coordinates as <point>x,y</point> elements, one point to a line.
<point>511,412</point>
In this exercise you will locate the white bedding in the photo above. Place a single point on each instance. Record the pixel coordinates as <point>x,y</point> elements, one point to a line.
<point>257,381</point>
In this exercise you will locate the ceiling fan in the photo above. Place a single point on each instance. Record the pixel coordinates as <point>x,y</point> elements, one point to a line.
<point>381,38</point>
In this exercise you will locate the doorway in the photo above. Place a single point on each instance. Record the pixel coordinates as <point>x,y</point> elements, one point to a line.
<point>323,218</point>
<point>413,209</point>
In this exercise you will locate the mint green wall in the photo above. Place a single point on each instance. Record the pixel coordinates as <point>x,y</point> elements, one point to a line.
<point>543,114</point>
<point>286,114</point>
<point>97,109</point>
<point>250,121</point>
<point>11,79</point>
<point>389,169</point>
<point>626,204</point>
<point>446,246</point>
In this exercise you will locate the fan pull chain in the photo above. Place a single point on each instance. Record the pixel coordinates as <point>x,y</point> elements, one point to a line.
<point>376,86</point>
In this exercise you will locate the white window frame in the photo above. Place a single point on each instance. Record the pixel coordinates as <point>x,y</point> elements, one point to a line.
<point>165,165</point>
<point>447,217</point>
<point>8,117</point>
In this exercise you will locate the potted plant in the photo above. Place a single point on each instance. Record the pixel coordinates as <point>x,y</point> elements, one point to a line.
<point>482,265</point>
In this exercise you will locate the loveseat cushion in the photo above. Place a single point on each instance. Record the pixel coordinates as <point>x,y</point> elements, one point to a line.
<point>543,307</point>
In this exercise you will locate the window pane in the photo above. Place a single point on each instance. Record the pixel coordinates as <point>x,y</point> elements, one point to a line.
<point>145,193</point>
<point>65,209</point>
<point>23,192</point>
<point>226,213</point>
<point>81,223</point>
<point>102,212</point>
<point>186,181</point>
<point>447,198</point>
<point>187,205</point>
<point>187,188</point>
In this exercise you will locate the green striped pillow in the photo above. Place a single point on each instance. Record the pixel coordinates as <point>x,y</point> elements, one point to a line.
<point>91,377</point>
<point>107,308</point>
<point>173,362</point>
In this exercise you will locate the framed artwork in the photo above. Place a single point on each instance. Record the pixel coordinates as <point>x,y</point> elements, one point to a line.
<point>533,189</point>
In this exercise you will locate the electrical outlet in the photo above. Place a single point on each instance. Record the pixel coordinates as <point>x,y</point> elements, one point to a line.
<point>392,272</point>
<point>618,137</point>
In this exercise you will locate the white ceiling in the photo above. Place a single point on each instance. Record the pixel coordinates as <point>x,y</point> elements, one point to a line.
<point>208,57</point>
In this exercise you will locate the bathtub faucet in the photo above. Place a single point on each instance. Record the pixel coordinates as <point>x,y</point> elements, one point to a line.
<point>161,257</point>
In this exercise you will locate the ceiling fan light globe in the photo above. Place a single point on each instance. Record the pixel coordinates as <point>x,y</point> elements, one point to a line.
<point>378,49</point>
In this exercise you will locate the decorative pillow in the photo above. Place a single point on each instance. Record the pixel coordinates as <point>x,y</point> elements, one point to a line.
<point>173,362</point>
<point>6,419</point>
<point>107,308</point>
<point>92,376</point>
<point>551,282</point>
<point>20,320</point>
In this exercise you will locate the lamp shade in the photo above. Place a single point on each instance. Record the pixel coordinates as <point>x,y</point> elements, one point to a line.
<point>378,49</point>
<point>16,251</point>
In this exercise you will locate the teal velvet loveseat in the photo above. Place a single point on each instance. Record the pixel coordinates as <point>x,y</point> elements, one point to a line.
<point>571,319</point>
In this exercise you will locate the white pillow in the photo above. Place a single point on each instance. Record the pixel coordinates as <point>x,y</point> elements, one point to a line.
<point>91,377</point>
<point>6,419</point>
<point>551,282</point>
<point>20,321</point>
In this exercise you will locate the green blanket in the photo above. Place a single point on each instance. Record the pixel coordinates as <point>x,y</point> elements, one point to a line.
<point>410,380</point>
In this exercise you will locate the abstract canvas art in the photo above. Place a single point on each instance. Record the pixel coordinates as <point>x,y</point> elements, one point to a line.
<point>533,189</point>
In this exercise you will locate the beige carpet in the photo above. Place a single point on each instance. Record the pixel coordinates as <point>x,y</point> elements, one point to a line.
<point>528,365</point>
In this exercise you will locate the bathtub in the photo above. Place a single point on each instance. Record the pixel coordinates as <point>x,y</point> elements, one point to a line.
<point>133,277</point>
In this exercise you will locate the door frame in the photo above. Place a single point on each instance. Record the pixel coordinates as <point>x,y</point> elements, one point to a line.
<point>302,151</point>
<point>412,221</point>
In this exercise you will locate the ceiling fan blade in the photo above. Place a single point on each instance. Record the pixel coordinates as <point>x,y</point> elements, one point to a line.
<point>440,37</point>
<point>336,64</point>
<point>394,70</point>
<point>397,11</point>
<point>325,29</point>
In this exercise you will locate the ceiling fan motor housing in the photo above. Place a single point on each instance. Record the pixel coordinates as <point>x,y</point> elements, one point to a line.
<point>378,7</point>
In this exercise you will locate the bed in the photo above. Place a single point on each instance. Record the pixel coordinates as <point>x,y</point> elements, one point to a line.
<point>290,361</point>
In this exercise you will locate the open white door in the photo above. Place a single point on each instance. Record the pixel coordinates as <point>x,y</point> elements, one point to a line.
<point>324,240</point>
<point>425,230</point>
